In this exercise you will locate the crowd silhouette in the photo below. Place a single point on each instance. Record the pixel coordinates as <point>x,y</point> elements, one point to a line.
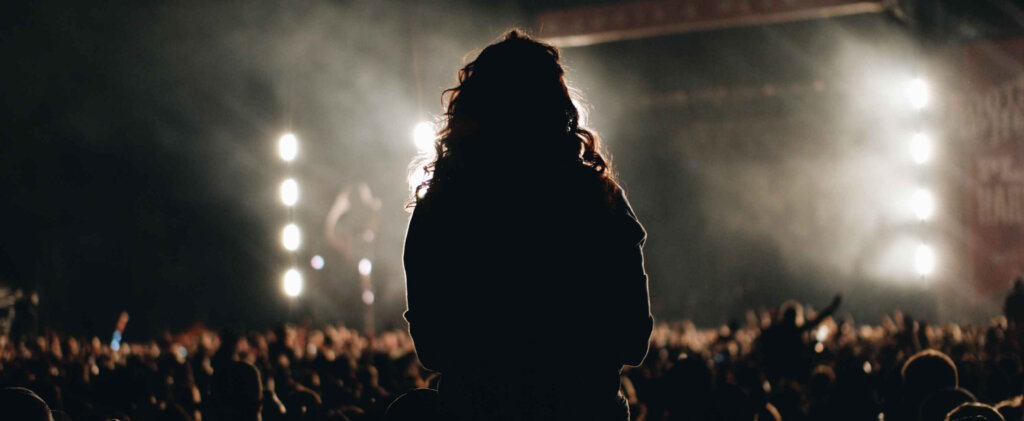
<point>899,369</point>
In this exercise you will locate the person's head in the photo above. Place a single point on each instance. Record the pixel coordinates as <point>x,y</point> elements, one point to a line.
<point>1011,409</point>
<point>18,403</point>
<point>511,108</point>
<point>928,371</point>
<point>791,313</point>
<point>237,391</point>
<point>938,404</point>
<point>974,411</point>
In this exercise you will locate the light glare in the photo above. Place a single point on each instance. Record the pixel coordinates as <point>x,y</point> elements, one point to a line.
<point>423,136</point>
<point>291,237</point>
<point>920,148</point>
<point>289,192</point>
<point>365,266</point>
<point>288,147</point>
<point>368,297</point>
<point>317,262</point>
<point>292,283</point>
<point>918,93</point>
<point>924,260</point>
<point>923,204</point>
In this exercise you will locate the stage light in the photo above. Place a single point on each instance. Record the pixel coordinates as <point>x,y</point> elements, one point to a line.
<point>292,283</point>
<point>365,267</point>
<point>924,260</point>
<point>423,136</point>
<point>290,237</point>
<point>368,297</point>
<point>288,147</point>
<point>918,93</point>
<point>317,262</point>
<point>289,192</point>
<point>923,204</point>
<point>920,148</point>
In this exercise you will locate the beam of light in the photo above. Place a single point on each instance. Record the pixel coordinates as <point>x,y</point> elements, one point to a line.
<point>289,192</point>
<point>365,266</point>
<point>918,93</point>
<point>924,260</point>
<point>288,147</point>
<point>292,283</point>
<point>317,262</point>
<point>920,148</point>
<point>368,297</point>
<point>923,204</point>
<point>291,237</point>
<point>423,136</point>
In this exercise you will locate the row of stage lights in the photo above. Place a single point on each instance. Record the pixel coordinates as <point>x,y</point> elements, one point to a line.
<point>291,236</point>
<point>922,201</point>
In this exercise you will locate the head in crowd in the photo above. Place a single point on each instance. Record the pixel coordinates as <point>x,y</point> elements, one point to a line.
<point>18,403</point>
<point>511,110</point>
<point>974,411</point>
<point>928,371</point>
<point>1011,409</point>
<point>938,404</point>
<point>791,313</point>
<point>237,392</point>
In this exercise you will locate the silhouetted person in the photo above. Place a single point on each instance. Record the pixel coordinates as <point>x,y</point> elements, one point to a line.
<point>237,392</point>
<point>973,411</point>
<point>1011,409</point>
<point>18,403</point>
<point>924,373</point>
<point>782,344</point>
<point>1013,307</point>
<point>525,277</point>
<point>939,403</point>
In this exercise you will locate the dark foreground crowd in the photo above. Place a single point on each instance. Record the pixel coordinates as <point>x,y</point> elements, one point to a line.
<point>788,363</point>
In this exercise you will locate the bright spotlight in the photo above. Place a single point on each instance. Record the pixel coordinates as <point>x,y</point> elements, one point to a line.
<point>923,204</point>
<point>368,297</point>
<point>423,136</point>
<point>920,148</point>
<point>288,147</point>
<point>292,283</point>
<point>918,93</point>
<point>289,192</point>
<point>317,262</point>
<point>924,260</point>
<point>365,266</point>
<point>291,237</point>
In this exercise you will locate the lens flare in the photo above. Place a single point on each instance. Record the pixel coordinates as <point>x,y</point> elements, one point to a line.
<point>923,204</point>
<point>317,262</point>
<point>291,237</point>
<point>289,192</point>
<point>365,267</point>
<point>423,136</point>
<point>288,147</point>
<point>918,93</point>
<point>920,148</point>
<point>924,260</point>
<point>292,283</point>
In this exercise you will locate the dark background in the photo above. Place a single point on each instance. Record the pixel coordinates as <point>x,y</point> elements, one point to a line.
<point>138,167</point>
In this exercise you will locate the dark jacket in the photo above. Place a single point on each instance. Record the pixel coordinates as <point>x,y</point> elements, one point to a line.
<point>534,280</point>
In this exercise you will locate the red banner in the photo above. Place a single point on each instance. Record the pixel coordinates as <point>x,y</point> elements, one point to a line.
<point>993,131</point>
<point>617,21</point>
